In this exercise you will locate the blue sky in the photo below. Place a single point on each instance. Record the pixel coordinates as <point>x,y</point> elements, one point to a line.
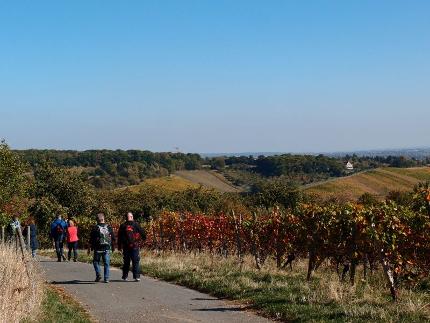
<point>215,76</point>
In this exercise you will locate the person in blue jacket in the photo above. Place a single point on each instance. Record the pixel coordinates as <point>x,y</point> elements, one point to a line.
<point>58,235</point>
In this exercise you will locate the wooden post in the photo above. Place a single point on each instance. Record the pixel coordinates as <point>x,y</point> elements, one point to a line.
<point>255,248</point>
<point>28,238</point>
<point>237,226</point>
<point>20,240</point>
<point>389,276</point>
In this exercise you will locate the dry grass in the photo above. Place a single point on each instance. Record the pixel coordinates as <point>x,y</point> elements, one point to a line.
<point>286,295</point>
<point>20,296</point>
<point>208,179</point>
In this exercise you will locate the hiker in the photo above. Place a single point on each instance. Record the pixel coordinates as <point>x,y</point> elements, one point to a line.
<point>58,235</point>
<point>34,243</point>
<point>14,225</point>
<point>129,236</point>
<point>102,242</point>
<point>72,240</point>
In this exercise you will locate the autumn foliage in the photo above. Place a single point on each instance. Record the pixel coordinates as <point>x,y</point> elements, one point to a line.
<point>387,236</point>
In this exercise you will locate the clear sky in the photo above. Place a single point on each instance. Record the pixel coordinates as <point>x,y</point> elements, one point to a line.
<point>215,76</point>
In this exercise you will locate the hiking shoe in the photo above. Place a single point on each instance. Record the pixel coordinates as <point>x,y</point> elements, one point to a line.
<point>98,278</point>
<point>137,279</point>
<point>124,279</point>
<point>106,281</point>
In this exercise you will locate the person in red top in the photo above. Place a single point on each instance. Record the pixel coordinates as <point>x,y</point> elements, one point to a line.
<point>72,240</point>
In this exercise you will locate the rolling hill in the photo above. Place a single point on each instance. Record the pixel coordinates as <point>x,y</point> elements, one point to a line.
<point>182,180</point>
<point>379,182</point>
<point>209,179</point>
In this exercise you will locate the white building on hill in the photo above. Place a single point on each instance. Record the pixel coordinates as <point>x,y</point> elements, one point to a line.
<point>349,166</point>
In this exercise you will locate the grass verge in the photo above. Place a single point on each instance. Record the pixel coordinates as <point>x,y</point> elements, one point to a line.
<point>285,295</point>
<point>57,306</point>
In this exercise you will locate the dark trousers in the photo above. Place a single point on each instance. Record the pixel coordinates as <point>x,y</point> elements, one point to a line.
<point>59,249</point>
<point>133,256</point>
<point>73,246</point>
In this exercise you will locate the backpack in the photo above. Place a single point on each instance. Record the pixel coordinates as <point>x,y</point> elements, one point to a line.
<point>104,239</point>
<point>59,230</point>
<point>131,236</point>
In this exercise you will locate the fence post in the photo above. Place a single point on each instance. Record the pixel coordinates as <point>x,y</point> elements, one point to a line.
<point>21,241</point>
<point>28,238</point>
<point>237,227</point>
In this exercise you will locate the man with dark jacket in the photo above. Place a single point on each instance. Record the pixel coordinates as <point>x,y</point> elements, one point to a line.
<point>58,234</point>
<point>130,234</point>
<point>102,241</point>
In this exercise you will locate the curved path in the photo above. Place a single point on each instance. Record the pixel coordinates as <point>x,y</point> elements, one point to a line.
<point>149,300</point>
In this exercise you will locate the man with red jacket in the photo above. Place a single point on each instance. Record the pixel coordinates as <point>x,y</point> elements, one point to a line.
<point>130,234</point>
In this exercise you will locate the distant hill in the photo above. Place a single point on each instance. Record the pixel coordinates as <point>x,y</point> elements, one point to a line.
<point>417,153</point>
<point>171,183</point>
<point>209,179</point>
<point>183,180</point>
<point>378,182</point>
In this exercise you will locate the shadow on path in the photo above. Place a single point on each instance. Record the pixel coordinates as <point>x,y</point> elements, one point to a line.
<point>74,282</point>
<point>221,309</point>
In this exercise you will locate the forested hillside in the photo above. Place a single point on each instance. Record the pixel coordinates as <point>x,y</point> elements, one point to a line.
<point>114,168</point>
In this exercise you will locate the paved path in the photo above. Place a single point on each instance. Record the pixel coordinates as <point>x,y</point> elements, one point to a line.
<point>149,300</point>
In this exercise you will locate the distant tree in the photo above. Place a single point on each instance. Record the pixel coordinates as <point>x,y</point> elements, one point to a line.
<point>14,183</point>
<point>279,192</point>
<point>218,163</point>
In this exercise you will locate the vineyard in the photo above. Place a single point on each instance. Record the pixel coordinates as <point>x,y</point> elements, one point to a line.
<point>386,236</point>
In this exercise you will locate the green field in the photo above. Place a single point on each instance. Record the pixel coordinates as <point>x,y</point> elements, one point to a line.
<point>378,182</point>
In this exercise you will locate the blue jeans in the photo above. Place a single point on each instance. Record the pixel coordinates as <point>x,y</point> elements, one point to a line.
<point>59,249</point>
<point>105,255</point>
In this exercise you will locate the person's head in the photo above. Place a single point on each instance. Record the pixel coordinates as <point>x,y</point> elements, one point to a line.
<point>100,218</point>
<point>30,220</point>
<point>15,217</point>
<point>58,216</point>
<point>129,216</point>
<point>71,223</point>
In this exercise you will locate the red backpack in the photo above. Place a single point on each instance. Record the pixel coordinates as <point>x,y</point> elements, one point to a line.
<point>131,236</point>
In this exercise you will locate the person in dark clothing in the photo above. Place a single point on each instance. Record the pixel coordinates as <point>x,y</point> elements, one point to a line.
<point>34,243</point>
<point>130,234</point>
<point>102,241</point>
<point>58,235</point>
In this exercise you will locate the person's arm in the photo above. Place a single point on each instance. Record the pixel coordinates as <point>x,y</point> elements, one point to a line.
<point>141,231</point>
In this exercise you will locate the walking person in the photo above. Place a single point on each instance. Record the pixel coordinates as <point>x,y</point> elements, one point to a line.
<point>72,240</point>
<point>58,235</point>
<point>12,230</point>
<point>34,243</point>
<point>130,234</point>
<point>102,242</point>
